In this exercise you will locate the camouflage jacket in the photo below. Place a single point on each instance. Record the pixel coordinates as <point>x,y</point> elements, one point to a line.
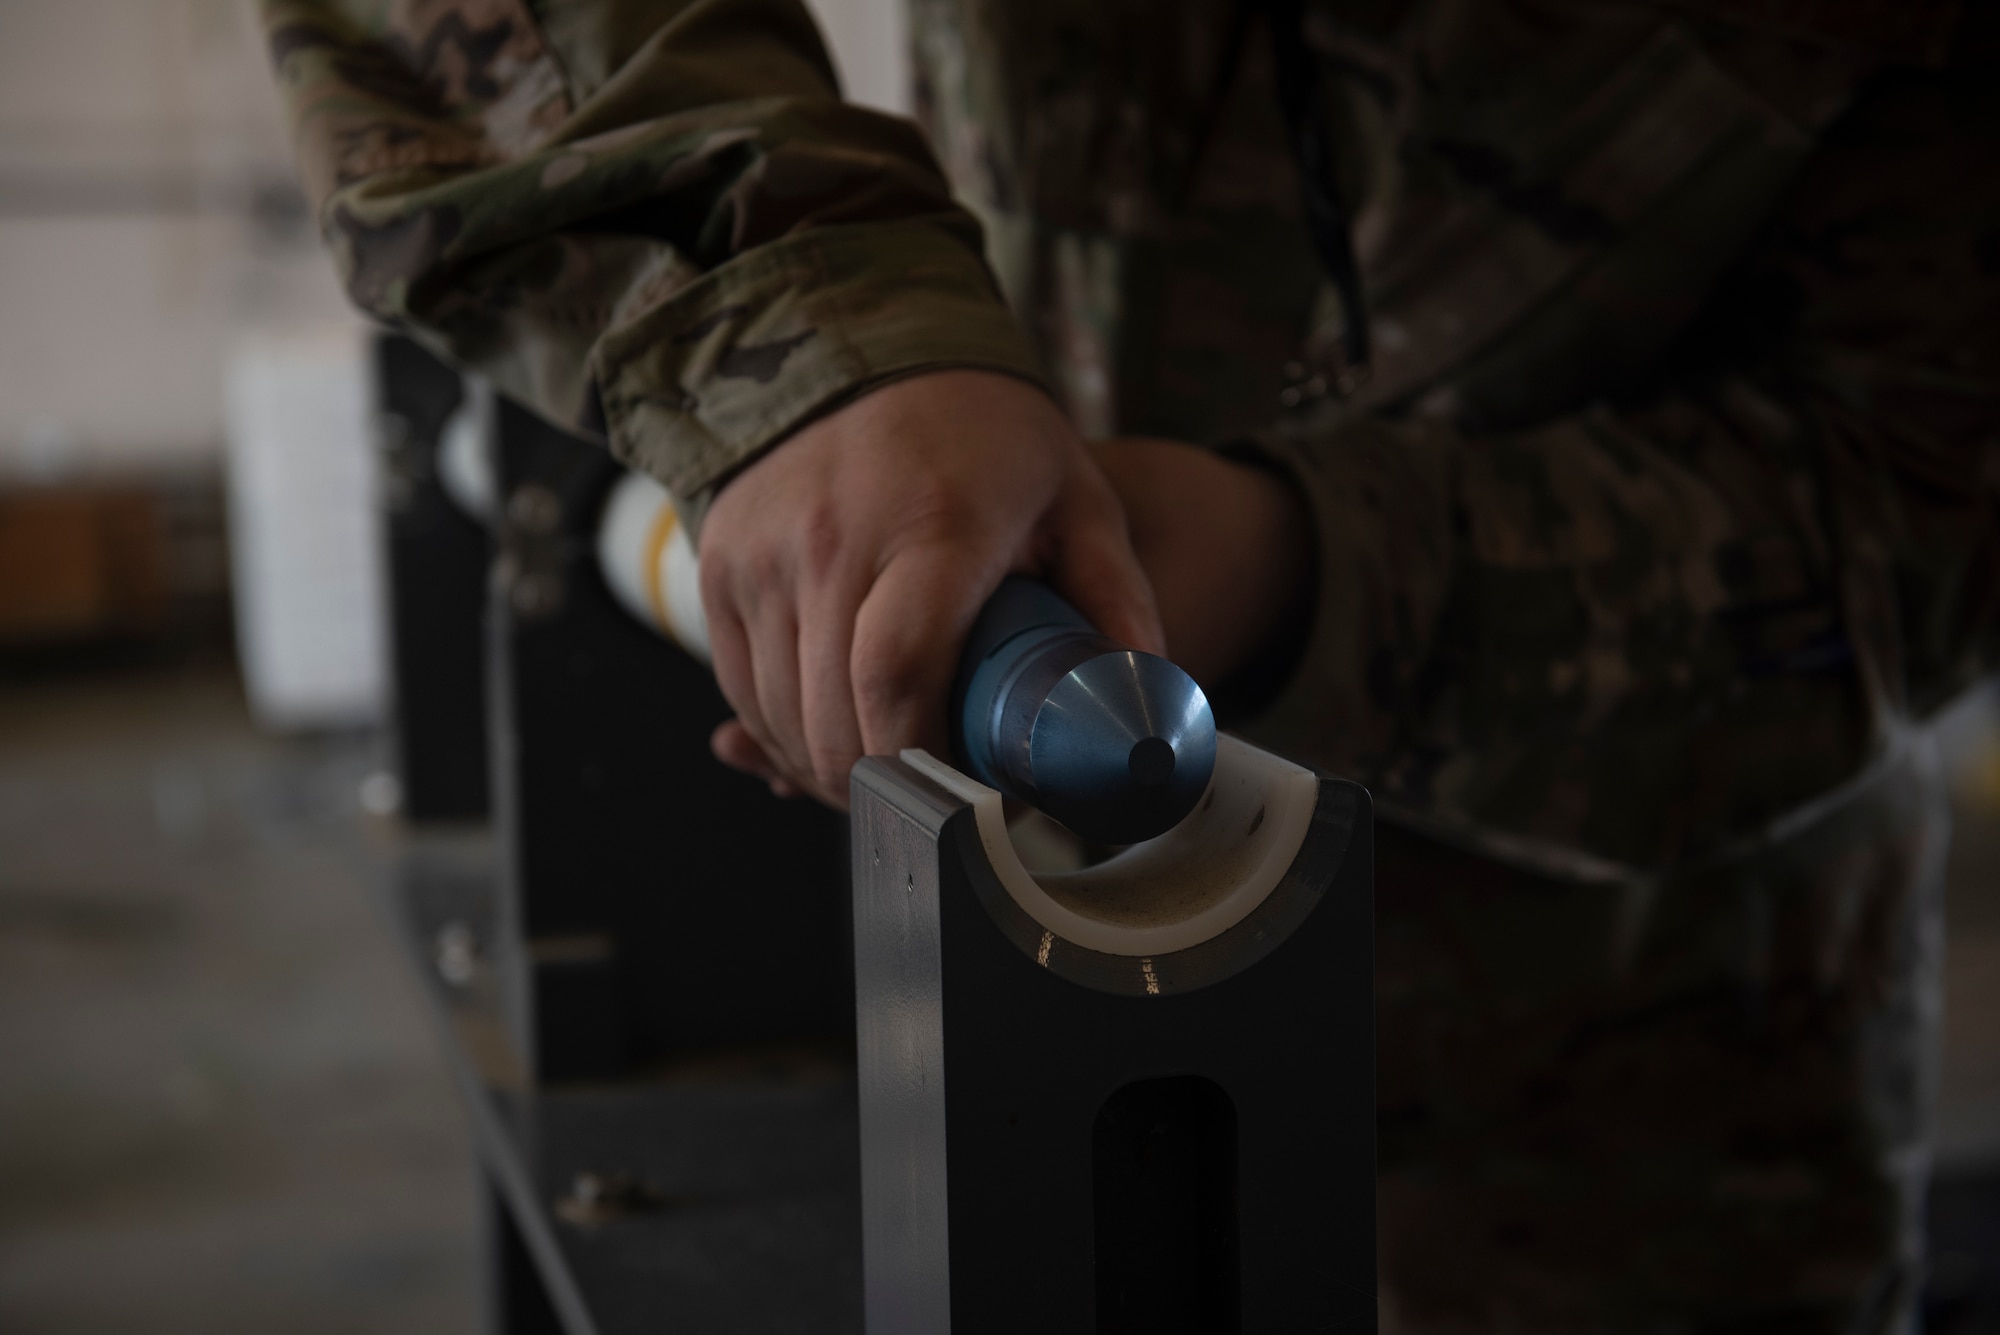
<point>1667,509</point>
<point>1684,315</point>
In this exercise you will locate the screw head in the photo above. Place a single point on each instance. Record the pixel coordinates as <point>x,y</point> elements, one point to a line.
<point>534,508</point>
<point>457,953</point>
<point>536,596</point>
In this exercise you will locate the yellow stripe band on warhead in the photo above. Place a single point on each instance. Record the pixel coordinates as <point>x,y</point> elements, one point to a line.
<point>662,533</point>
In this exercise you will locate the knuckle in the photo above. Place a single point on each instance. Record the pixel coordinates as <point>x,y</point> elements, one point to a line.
<point>762,569</point>
<point>941,514</point>
<point>738,577</point>
<point>821,536</point>
<point>717,575</point>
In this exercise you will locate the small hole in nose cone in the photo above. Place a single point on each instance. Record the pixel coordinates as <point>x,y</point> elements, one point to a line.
<point>1151,762</point>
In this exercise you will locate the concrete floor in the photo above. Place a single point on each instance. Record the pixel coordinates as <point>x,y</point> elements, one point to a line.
<point>222,1109</point>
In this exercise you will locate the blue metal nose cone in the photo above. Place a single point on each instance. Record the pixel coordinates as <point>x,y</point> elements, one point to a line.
<point>1116,744</point>
<point>1122,748</point>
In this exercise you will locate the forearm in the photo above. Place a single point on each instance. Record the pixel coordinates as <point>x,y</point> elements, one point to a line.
<point>664,201</point>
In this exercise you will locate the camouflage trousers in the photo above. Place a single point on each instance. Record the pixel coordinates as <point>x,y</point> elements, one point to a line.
<point>1698,1104</point>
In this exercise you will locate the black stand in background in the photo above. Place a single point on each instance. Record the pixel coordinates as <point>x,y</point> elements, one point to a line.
<point>657,903</point>
<point>438,558</point>
<point>643,963</point>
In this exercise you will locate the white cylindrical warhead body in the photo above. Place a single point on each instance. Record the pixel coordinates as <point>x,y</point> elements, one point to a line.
<point>649,562</point>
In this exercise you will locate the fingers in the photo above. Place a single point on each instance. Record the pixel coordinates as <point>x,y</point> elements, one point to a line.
<point>832,730</point>
<point>788,680</point>
<point>842,570</point>
<point>734,747</point>
<point>774,665</point>
<point>906,640</point>
<point>1092,564</point>
<point>801,715</point>
<point>871,681</point>
<point>744,743</point>
<point>729,653</point>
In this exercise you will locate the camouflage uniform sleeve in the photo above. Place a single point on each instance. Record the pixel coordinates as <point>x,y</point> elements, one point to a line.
<point>659,208</point>
<point>1724,598</point>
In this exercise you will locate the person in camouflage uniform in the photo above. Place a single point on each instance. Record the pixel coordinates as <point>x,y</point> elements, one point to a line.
<point>1664,512</point>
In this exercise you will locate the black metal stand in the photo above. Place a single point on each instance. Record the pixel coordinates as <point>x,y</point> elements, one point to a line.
<point>1065,1140</point>
<point>717,1193</point>
<point>515,1301</point>
<point>438,557</point>
<point>635,916</point>
<point>657,903</point>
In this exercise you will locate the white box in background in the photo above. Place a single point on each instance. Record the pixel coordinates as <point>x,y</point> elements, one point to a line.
<point>870,44</point>
<point>304,549</point>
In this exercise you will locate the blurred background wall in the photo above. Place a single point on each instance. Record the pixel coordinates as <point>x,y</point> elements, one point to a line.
<point>149,220</point>
<point>148,215</point>
<point>161,289</point>
<point>149,225</point>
